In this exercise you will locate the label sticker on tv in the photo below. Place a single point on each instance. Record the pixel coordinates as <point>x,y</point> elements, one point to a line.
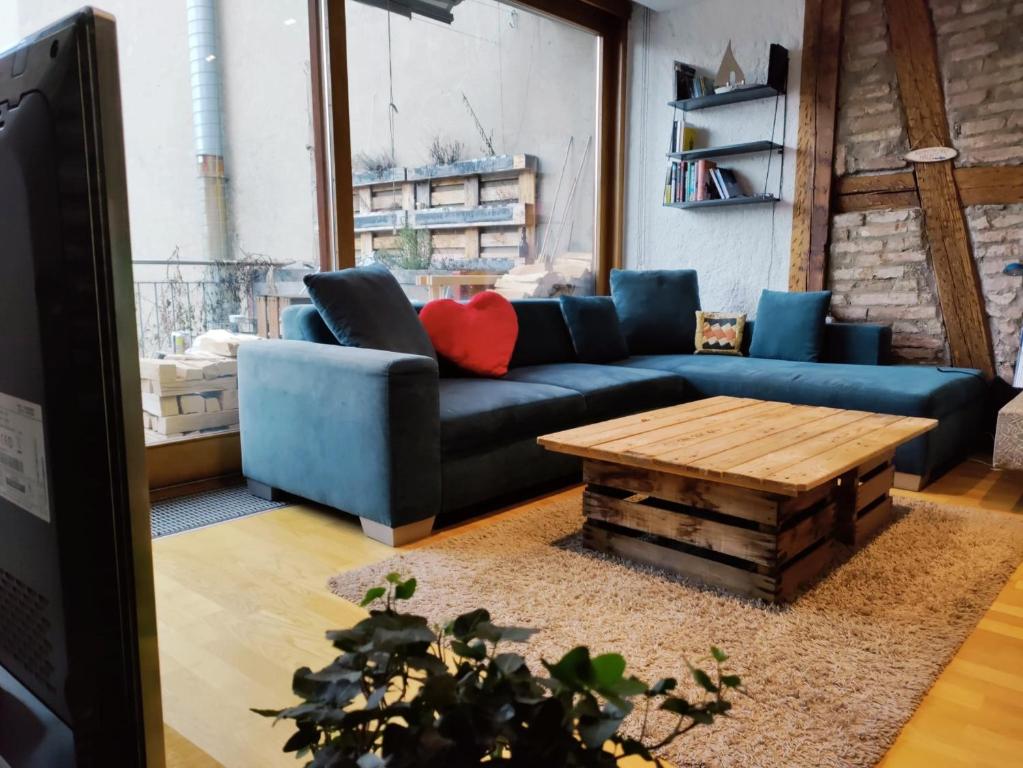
<point>23,456</point>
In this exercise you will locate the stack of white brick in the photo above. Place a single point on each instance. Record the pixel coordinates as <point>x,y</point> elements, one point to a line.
<point>182,394</point>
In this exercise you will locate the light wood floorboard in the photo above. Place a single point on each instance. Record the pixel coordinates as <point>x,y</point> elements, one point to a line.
<point>241,605</point>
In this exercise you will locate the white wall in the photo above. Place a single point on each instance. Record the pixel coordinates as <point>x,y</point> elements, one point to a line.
<point>9,27</point>
<point>530,79</point>
<point>738,251</point>
<point>267,124</point>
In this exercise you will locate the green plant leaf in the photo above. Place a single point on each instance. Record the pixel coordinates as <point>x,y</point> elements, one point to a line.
<point>426,663</point>
<point>608,669</point>
<point>473,650</point>
<point>731,681</point>
<point>719,655</point>
<point>465,625</point>
<point>393,577</point>
<point>509,663</point>
<point>626,687</point>
<point>574,670</point>
<point>274,713</point>
<point>595,732</point>
<point>372,595</point>
<point>405,589</point>
<point>302,738</point>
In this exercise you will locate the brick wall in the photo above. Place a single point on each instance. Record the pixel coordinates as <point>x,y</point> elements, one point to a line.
<point>980,50</point>
<point>997,234</point>
<point>879,265</point>
<point>879,272</point>
<point>871,131</point>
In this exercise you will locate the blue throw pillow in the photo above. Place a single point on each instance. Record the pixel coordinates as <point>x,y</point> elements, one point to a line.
<point>365,307</point>
<point>657,309</point>
<point>790,326</point>
<point>593,325</point>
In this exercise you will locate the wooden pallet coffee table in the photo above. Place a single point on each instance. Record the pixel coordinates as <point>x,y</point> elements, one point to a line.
<point>744,494</point>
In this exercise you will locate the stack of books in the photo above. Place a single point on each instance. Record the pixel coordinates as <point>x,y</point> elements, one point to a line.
<point>695,180</point>
<point>688,84</point>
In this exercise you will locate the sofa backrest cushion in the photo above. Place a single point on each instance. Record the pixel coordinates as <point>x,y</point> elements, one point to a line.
<point>594,327</point>
<point>852,343</point>
<point>302,322</point>
<point>366,307</point>
<point>657,309</point>
<point>790,325</point>
<point>543,335</point>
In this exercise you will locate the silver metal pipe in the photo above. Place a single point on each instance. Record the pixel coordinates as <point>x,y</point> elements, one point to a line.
<point>208,124</point>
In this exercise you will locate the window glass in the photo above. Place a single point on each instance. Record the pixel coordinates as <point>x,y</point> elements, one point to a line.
<point>473,142</point>
<point>218,133</point>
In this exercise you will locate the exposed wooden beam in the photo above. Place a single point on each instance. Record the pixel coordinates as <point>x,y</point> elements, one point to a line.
<point>978,185</point>
<point>875,182</point>
<point>872,201</point>
<point>962,304</point>
<point>815,147</point>
<point>990,185</point>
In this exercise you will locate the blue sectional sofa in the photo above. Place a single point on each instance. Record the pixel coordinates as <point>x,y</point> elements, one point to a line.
<point>397,439</point>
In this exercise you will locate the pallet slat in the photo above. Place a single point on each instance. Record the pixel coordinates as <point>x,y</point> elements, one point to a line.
<point>752,545</point>
<point>748,583</point>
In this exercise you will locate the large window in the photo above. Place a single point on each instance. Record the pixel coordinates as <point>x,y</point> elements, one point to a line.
<point>218,131</point>
<point>474,147</point>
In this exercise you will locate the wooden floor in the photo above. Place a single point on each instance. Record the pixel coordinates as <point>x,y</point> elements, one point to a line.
<point>242,604</point>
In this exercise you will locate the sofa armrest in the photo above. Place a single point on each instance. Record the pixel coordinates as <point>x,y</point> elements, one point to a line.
<point>857,343</point>
<point>357,429</point>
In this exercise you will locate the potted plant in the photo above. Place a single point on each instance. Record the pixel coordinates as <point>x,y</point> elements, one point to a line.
<point>404,694</point>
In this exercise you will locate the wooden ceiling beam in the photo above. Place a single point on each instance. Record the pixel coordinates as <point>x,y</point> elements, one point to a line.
<point>815,146</point>
<point>959,293</point>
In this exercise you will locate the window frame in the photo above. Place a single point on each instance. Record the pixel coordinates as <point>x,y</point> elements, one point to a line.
<point>607,19</point>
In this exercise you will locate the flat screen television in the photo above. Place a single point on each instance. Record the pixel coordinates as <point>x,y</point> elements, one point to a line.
<point>79,676</point>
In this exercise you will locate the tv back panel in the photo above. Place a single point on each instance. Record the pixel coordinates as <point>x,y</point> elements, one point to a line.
<point>79,678</point>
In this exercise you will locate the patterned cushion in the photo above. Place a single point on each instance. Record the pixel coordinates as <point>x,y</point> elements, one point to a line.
<point>719,333</point>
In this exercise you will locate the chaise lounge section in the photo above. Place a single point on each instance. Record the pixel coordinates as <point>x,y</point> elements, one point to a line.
<point>398,439</point>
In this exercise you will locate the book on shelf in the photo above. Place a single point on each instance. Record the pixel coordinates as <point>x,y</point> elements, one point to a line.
<point>684,75</point>
<point>727,184</point>
<point>701,86</point>
<point>683,137</point>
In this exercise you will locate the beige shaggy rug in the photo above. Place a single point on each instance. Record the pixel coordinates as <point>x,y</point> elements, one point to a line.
<point>832,677</point>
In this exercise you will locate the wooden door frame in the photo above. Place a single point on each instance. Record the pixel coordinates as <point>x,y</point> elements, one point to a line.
<point>607,19</point>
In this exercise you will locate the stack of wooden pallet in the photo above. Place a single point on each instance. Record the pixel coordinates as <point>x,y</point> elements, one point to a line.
<point>183,394</point>
<point>570,273</point>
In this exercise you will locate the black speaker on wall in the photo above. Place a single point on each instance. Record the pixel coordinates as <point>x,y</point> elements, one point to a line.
<point>79,676</point>
<point>778,67</point>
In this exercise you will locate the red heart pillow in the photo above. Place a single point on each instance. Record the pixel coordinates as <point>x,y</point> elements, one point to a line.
<point>478,336</point>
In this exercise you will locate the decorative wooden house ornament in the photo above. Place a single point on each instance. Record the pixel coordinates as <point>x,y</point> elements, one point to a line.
<point>729,74</point>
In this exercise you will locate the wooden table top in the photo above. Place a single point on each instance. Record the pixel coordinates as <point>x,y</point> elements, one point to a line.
<point>769,446</point>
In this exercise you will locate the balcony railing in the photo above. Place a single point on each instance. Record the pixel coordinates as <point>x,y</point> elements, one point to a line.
<point>191,297</point>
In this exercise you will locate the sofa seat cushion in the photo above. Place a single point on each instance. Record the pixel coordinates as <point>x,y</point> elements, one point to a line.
<point>609,390</point>
<point>481,413</point>
<point>906,390</point>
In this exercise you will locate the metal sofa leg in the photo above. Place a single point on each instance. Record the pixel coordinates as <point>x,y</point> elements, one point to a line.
<point>264,491</point>
<point>397,536</point>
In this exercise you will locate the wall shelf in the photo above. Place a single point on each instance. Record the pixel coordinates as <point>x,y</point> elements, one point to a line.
<point>727,150</point>
<point>732,97</point>
<point>719,203</point>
